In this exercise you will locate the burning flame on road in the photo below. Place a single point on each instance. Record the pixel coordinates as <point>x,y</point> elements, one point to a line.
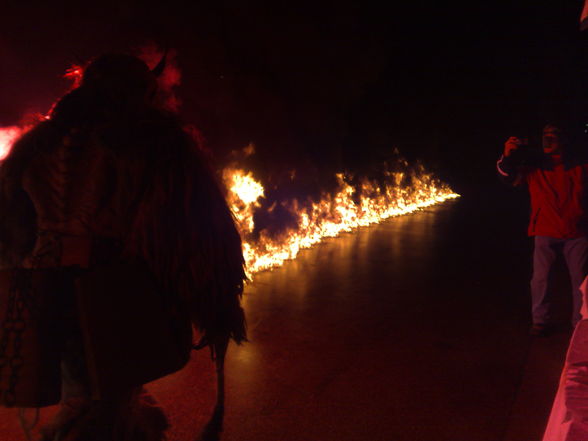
<point>350,207</point>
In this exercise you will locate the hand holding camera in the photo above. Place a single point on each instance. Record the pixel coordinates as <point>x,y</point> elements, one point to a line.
<point>512,144</point>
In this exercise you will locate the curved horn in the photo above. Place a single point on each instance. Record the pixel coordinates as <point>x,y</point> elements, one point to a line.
<point>158,70</point>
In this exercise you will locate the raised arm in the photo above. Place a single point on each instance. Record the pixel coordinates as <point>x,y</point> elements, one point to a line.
<point>509,165</point>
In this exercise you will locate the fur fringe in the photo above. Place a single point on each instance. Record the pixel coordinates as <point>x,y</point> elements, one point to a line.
<point>178,218</point>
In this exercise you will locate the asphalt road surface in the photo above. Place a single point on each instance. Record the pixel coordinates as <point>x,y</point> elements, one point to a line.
<point>412,330</point>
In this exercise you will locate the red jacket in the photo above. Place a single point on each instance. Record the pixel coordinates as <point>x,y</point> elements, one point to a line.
<point>558,193</point>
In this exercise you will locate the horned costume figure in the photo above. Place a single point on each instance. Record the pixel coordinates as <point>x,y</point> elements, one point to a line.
<point>115,238</point>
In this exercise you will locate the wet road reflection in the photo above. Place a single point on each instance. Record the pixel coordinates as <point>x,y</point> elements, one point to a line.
<point>393,332</point>
<point>401,331</point>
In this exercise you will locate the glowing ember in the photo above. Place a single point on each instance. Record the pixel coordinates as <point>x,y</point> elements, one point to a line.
<point>348,208</point>
<point>7,136</point>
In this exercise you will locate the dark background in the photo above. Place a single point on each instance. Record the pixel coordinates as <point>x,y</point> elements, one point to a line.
<point>324,86</point>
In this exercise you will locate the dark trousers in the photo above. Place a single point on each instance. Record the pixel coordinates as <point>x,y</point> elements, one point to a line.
<point>575,252</point>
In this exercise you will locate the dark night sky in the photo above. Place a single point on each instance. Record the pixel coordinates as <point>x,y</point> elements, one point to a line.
<point>326,85</point>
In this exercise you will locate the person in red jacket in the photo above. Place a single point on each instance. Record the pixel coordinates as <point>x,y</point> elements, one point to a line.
<point>557,183</point>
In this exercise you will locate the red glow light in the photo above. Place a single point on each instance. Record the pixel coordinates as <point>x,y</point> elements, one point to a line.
<point>74,73</point>
<point>7,136</point>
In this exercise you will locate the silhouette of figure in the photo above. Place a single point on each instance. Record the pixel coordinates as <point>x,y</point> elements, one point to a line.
<point>115,238</point>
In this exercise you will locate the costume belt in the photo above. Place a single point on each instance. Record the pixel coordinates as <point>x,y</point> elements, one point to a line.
<point>54,250</point>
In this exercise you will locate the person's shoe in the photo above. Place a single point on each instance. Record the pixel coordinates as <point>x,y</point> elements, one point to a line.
<point>541,329</point>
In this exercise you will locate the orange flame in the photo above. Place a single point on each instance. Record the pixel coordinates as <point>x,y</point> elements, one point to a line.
<point>244,193</point>
<point>348,208</point>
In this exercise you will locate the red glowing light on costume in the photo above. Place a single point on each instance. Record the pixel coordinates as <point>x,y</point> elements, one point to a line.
<point>74,73</point>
